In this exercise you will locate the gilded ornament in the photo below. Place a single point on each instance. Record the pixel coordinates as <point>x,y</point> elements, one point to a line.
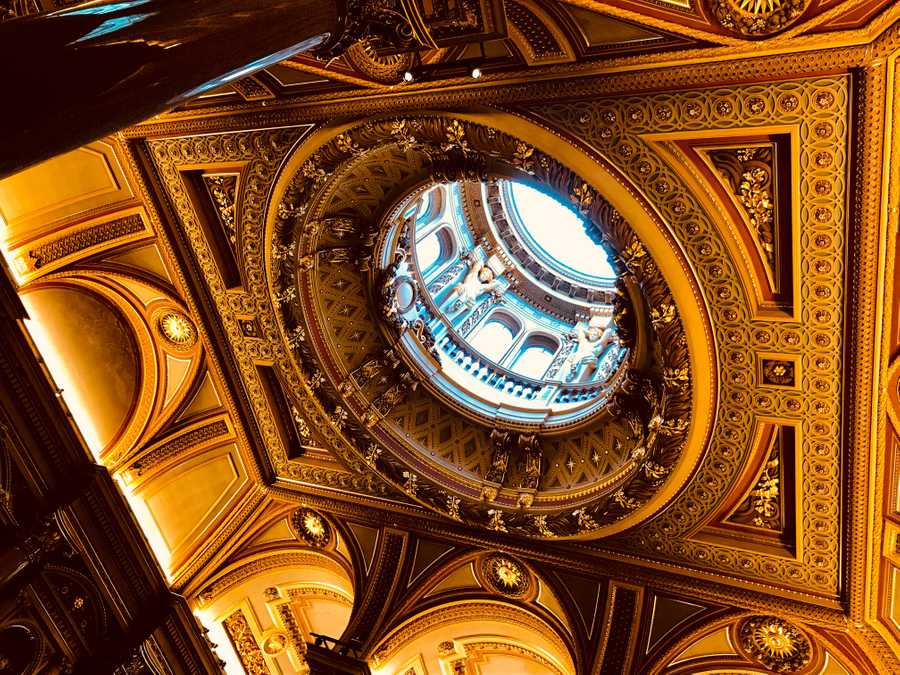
<point>339,417</point>
<point>446,648</point>
<point>373,452</point>
<point>411,483</point>
<point>275,644</point>
<point>495,520</point>
<point>778,372</point>
<point>662,315</point>
<point>300,424</point>
<point>453,503</point>
<point>757,18</point>
<point>245,644</point>
<point>583,196</point>
<point>621,499</point>
<point>750,174</point>
<point>540,524</point>
<point>775,643</point>
<point>765,494</point>
<point>523,157</point>
<point>584,520</point>
<point>223,190</point>
<point>311,527</point>
<point>177,329</point>
<point>506,575</point>
<point>653,471</point>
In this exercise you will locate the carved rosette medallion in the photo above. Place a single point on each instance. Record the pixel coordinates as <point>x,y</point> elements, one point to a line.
<point>775,643</point>
<point>176,329</point>
<point>312,527</point>
<point>275,644</point>
<point>347,291</point>
<point>757,18</point>
<point>506,576</point>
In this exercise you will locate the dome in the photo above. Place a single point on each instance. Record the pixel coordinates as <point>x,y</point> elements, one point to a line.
<point>515,295</point>
<point>472,321</point>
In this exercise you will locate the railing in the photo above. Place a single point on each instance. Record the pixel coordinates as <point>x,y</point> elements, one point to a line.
<point>490,373</point>
<point>338,646</point>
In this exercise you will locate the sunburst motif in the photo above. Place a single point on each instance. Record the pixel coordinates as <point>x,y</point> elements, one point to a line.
<point>506,575</point>
<point>759,6</point>
<point>177,329</point>
<point>774,639</point>
<point>777,644</point>
<point>313,525</point>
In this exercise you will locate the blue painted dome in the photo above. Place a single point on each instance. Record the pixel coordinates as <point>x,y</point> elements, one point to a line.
<point>512,297</point>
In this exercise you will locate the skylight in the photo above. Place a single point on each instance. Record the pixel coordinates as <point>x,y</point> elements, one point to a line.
<point>558,232</point>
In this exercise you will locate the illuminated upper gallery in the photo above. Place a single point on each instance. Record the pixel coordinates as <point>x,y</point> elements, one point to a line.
<point>514,293</point>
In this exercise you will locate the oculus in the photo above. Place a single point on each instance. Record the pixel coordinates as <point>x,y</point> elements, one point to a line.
<point>509,297</point>
<point>478,326</point>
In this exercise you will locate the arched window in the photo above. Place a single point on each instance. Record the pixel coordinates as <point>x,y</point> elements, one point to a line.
<point>495,336</point>
<point>535,357</point>
<point>433,204</point>
<point>433,250</point>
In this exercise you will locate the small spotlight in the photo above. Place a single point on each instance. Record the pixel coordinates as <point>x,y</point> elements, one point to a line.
<point>476,72</point>
<point>408,76</point>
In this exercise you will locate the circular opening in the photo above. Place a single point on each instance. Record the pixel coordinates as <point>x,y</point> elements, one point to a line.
<point>512,298</point>
<point>557,234</point>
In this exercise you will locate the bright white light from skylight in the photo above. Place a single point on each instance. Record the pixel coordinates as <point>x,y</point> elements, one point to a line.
<point>560,232</point>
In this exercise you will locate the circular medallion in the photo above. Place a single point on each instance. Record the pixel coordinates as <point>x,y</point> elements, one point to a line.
<point>311,527</point>
<point>505,575</point>
<point>177,329</point>
<point>275,644</point>
<point>757,17</point>
<point>775,643</point>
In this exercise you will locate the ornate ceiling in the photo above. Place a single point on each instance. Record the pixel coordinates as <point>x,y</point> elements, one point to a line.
<point>213,290</point>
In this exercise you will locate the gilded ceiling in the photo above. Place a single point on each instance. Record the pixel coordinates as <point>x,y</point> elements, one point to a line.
<point>274,405</point>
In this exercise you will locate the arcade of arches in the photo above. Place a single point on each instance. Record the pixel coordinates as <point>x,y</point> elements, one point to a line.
<point>585,365</point>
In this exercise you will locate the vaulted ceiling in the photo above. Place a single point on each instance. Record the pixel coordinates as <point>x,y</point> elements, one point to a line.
<point>202,287</point>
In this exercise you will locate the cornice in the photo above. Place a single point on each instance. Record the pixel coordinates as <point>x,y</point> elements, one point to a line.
<point>800,56</point>
<point>678,579</point>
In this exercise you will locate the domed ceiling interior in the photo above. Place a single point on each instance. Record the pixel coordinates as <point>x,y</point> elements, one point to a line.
<point>591,353</point>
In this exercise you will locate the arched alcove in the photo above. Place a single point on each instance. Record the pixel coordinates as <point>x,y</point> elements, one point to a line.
<point>475,636</point>
<point>85,340</point>
<point>269,605</point>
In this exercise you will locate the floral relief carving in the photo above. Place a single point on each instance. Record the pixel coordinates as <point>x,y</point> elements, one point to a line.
<point>245,644</point>
<point>607,123</point>
<point>750,173</point>
<point>778,645</point>
<point>456,145</point>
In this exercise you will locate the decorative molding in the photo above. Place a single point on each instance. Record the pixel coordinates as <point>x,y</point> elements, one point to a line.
<point>174,447</point>
<point>52,251</point>
<point>629,130</point>
<point>245,644</point>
